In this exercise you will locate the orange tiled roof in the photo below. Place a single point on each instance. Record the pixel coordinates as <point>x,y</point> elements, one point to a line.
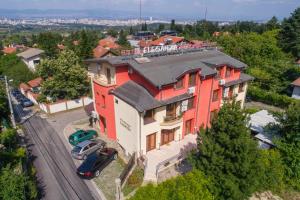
<point>163,39</point>
<point>145,43</point>
<point>296,82</point>
<point>100,51</point>
<point>24,86</point>
<point>35,82</point>
<point>109,42</point>
<point>9,50</point>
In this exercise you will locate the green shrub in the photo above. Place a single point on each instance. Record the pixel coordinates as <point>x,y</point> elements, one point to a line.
<point>136,177</point>
<point>8,138</point>
<point>269,97</point>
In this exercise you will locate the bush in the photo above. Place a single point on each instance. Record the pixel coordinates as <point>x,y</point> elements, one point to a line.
<point>193,185</point>
<point>8,138</point>
<point>269,97</point>
<point>136,177</point>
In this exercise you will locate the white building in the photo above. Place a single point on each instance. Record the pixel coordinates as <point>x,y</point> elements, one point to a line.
<point>296,90</point>
<point>31,57</point>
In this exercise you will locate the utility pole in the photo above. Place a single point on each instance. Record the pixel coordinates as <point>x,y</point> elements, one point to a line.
<point>10,104</point>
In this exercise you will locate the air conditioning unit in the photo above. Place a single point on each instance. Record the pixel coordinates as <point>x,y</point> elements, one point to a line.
<point>191,90</point>
<point>222,82</point>
<point>184,106</point>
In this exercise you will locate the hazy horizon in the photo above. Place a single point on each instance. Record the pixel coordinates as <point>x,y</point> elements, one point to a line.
<point>159,9</point>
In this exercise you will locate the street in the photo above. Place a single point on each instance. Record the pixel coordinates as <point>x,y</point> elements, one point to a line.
<point>56,171</point>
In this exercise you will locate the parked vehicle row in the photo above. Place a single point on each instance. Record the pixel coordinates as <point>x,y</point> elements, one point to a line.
<point>24,101</point>
<point>95,154</point>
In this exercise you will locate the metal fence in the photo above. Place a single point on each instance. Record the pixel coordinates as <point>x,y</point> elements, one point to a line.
<point>127,169</point>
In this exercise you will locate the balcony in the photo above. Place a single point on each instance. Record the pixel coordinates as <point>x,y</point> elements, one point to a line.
<point>102,80</point>
<point>149,120</point>
<point>171,120</point>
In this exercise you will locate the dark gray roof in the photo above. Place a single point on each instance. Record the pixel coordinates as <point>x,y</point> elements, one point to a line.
<point>138,97</point>
<point>164,70</point>
<point>243,78</point>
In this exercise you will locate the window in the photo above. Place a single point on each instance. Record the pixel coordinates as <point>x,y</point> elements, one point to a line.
<point>103,101</point>
<point>179,84</point>
<point>215,95</point>
<point>218,73</point>
<point>213,115</point>
<point>108,75</point>
<point>241,87</point>
<point>188,127</point>
<point>190,103</point>
<point>230,93</point>
<point>192,79</point>
<point>228,72</point>
<point>149,117</point>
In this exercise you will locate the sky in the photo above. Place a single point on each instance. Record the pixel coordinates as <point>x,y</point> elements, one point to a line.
<point>194,9</point>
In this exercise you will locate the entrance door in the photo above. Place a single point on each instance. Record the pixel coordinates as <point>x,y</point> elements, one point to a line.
<point>151,142</point>
<point>188,127</point>
<point>103,123</point>
<point>167,136</point>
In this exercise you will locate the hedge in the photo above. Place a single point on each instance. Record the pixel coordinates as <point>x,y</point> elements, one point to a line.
<point>269,97</point>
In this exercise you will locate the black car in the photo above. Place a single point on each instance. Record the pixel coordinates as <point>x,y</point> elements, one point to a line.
<point>96,162</point>
<point>26,102</point>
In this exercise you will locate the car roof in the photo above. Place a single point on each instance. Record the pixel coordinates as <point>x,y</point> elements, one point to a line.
<point>84,143</point>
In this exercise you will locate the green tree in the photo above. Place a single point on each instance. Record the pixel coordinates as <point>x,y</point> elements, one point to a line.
<point>289,145</point>
<point>272,24</point>
<point>289,36</point>
<point>160,28</point>
<point>122,40</point>
<point>144,27</point>
<point>12,184</point>
<point>172,25</point>
<point>193,185</point>
<point>229,155</point>
<point>3,102</point>
<point>112,32</point>
<point>48,41</point>
<point>65,78</point>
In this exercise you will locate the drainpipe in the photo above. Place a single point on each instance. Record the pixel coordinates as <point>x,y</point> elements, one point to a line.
<point>140,133</point>
<point>210,99</point>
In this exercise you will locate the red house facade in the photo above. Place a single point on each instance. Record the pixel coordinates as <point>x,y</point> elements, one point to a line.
<point>146,102</point>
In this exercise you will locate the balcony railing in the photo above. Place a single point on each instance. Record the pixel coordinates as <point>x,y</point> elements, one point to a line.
<point>103,81</point>
<point>171,118</point>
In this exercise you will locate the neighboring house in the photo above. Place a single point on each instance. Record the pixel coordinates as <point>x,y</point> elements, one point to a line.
<point>164,40</point>
<point>258,122</point>
<point>143,35</point>
<point>31,57</point>
<point>147,104</point>
<point>9,50</point>
<point>100,52</point>
<point>109,43</point>
<point>296,88</point>
<point>31,89</point>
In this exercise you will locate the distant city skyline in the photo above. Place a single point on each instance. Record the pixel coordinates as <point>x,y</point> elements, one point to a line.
<point>188,9</point>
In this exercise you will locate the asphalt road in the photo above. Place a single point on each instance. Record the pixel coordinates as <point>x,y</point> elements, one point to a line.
<point>56,171</point>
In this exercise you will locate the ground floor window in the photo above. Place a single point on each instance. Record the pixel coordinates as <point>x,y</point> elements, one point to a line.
<point>167,136</point>
<point>151,142</point>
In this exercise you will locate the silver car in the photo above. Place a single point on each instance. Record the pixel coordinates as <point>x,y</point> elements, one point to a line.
<point>83,149</point>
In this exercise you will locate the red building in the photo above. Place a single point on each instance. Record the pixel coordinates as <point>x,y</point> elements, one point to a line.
<point>147,102</point>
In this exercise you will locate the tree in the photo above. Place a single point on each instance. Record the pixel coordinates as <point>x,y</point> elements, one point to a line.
<point>289,36</point>
<point>193,185</point>
<point>122,40</point>
<point>160,28</point>
<point>3,102</point>
<point>12,185</point>
<point>144,27</point>
<point>272,24</point>
<point>172,26</point>
<point>48,41</point>
<point>131,32</point>
<point>65,78</point>
<point>112,32</point>
<point>289,144</point>
<point>228,155</point>
<point>1,48</point>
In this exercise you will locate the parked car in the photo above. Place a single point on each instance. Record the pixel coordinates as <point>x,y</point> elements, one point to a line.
<point>82,135</point>
<point>83,149</point>
<point>15,92</point>
<point>19,97</point>
<point>26,102</point>
<point>96,162</point>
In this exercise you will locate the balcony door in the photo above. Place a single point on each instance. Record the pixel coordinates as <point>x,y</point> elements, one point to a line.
<point>151,142</point>
<point>108,75</point>
<point>167,136</point>
<point>171,111</point>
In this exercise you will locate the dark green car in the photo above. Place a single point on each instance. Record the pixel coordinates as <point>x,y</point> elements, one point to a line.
<point>82,135</point>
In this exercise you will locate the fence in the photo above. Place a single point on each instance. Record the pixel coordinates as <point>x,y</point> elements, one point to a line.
<point>128,169</point>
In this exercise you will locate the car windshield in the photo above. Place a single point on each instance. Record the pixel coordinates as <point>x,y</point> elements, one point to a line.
<point>77,149</point>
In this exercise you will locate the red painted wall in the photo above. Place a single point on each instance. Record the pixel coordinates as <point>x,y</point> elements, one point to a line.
<point>107,110</point>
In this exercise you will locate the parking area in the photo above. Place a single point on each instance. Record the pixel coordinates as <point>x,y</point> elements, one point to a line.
<point>69,122</point>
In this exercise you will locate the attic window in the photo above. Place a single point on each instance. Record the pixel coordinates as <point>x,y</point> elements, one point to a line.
<point>142,60</point>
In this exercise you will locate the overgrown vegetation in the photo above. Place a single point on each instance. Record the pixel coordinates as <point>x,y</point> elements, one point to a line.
<point>134,181</point>
<point>193,185</point>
